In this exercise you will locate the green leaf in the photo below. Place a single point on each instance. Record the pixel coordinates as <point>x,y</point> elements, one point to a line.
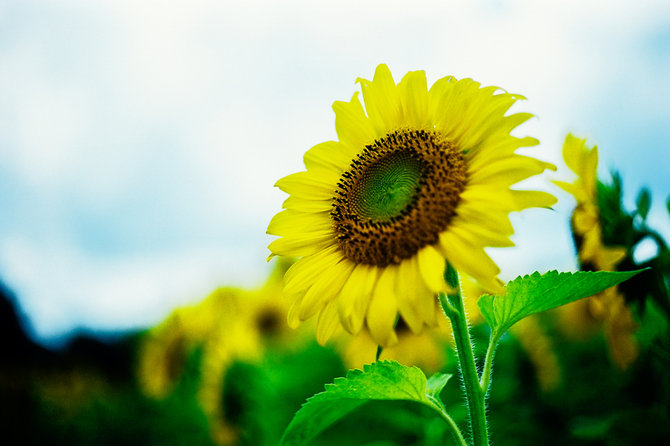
<point>385,380</point>
<point>537,293</point>
<point>667,203</point>
<point>436,383</point>
<point>643,202</point>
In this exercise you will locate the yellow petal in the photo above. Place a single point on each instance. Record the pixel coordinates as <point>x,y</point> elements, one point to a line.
<point>480,215</point>
<point>431,266</point>
<point>327,323</point>
<point>329,155</point>
<point>532,199</point>
<point>352,126</point>
<point>572,189</point>
<point>302,245</point>
<point>488,197</point>
<point>292,317</point>
<point>425,299</point>
<point>487,232</point>
<point>610,257</point>
<point>355,296</point>
<point>577,156</point>
<point>325,288</point>
<point>414,96</point>
<point>289,222</point>
<point>472,260</point>
<point>308,185</point>
<point>382,101</point>
<point>304,272</point>
<point>308,205</point>
<point>486,119</point>
<point>383,310</point>
<point>509,170</point>
<point>435,96</point>
<point>407,297</point>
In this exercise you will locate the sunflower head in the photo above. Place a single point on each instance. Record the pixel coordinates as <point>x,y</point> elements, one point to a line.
<point>418,177</point>
<point>585,220</point>
<point>607,308</point>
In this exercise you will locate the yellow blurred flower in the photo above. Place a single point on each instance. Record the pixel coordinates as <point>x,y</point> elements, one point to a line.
<point>607,308</point>
<point>427,350</point>
<point>230,325</point>
<point>540,350</point>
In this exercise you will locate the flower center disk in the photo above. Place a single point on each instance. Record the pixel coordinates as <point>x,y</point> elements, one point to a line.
<point>397,196</point>
<point>388,186</point>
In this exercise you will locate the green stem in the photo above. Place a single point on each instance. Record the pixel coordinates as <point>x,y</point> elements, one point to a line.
<point>488,363</point>
<point>475,397</point>
<point>455,431</point>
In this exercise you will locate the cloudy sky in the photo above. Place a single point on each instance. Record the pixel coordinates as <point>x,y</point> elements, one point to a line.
<point>140,140</point>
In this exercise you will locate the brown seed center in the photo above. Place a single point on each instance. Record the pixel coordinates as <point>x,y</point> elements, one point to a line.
<point>397,196</point>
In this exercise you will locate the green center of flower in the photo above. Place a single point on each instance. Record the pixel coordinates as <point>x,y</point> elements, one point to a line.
<point>388,187</point>
<point>397,196</point>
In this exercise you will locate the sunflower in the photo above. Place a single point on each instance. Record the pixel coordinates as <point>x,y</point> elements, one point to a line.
<point>230,325</point>
<point>165,349</point>
<point>585,220</point>
<point>608,307</point>
<point>417,178</point>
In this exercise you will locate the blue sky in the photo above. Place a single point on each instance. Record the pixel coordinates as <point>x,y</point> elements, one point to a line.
<point>139,140</point>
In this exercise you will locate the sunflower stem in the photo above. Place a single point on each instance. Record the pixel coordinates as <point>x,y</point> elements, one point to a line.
<point>485,380</point>
<point>475,396</point>
<point>455,431</point>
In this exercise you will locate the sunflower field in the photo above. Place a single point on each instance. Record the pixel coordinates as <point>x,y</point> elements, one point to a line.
<point>384,320</point>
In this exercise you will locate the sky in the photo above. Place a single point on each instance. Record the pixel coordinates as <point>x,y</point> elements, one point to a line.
<point>140,140</point>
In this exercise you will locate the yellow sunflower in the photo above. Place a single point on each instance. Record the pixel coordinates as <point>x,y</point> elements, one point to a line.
<point>585,220</point>
<point>417,178</point>
<point>165,348</point>
<point>607,308</point>
<point>230,325</point>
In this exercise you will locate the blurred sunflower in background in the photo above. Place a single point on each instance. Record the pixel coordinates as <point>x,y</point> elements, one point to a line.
<point>427,350</point>
<point>608,308</point>
<point>231,325</point>
<point>419,177</point>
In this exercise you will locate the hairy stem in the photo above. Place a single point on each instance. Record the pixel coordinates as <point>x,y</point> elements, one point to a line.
<point>455,431</point>
<point>475,397</point>
<point>485,380</point>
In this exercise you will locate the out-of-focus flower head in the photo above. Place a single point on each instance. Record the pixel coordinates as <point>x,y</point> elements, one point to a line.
<point>230,325</point>
<point>607,308</point>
